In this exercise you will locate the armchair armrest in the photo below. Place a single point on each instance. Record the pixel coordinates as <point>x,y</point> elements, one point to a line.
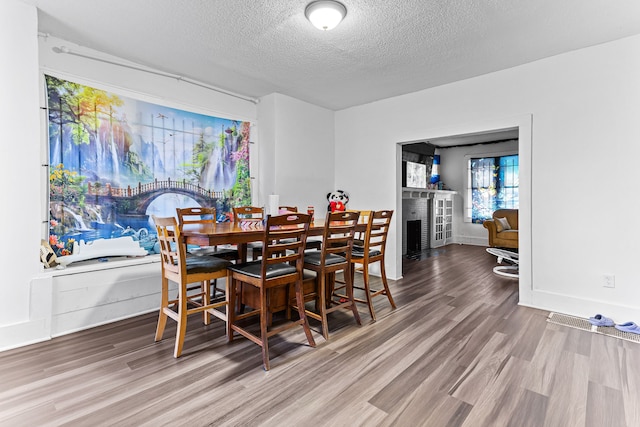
<point>490,225</point>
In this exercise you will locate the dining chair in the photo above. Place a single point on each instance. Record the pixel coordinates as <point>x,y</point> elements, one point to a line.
<point>281,264</point>
<point>205,215</point>
<point>369,251</point>
<point>251,213</point>
<point>312,242</point>
<point>335,256</point>
<point>288,208</point>
<point>183,270</point>
<point>358,239</point>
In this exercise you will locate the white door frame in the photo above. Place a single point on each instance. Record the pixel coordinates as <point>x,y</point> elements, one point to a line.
<point>524,124</point>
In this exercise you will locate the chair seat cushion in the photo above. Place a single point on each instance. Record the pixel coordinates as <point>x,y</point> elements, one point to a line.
<point>313,244</point>
<point>206,264</point>
<point>310,244</point>
<point>226,253</point>
<point>314,258</point>
<point>508,235</point>
<point>358,252</point>
<point>254,269</point>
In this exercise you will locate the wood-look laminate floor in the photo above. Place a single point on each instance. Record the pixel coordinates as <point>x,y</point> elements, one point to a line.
<point>458,351</point>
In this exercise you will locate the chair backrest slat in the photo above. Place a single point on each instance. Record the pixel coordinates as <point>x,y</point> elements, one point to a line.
<point>284,239</point>
<point>196,215</point>
<point>288,208</point>
<point>339,232</point>
<point>247,212</point>
<point>364,219</point>
<point>172,249</point>
<point>377,230</point>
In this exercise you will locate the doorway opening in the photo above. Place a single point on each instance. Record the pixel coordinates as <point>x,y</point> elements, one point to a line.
<point>466,134</point>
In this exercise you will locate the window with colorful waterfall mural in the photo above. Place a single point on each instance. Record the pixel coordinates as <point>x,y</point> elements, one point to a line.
<point>115,161</point>
<point>493,184</point>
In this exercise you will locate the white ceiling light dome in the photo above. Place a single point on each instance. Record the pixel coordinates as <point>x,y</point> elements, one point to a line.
<point>325,14</point>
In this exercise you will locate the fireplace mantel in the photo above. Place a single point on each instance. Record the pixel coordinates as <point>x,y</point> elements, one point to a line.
<point>424,193</point>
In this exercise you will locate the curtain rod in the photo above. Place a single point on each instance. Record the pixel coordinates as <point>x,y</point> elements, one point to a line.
<point>66,50</point>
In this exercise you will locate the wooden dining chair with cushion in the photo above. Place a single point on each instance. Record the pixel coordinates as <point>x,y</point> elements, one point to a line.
<point>281,264</point>
<point>287,208</point>
<point>335,256</point>
<point>312,242</point>
<point>250,213</point>
<point>358,240</point>
<point>183,270</point>
<point>205,215</point>
<point>372,250</point>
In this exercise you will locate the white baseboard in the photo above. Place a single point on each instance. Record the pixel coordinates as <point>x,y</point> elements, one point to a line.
<point>471,240</point>
<point>74,299</point>
<point>22,334</point>
<point>581,307</point>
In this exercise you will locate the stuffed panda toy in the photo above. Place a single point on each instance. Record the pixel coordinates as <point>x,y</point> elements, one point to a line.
<point>337,201</point>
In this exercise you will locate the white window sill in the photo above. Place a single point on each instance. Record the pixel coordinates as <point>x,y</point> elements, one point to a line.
<point>96,265</point>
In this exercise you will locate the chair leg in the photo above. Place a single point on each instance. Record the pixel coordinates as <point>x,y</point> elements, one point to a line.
<point>181,328</point>
<point>386,285</point>
<point>264,312</point>
<point>348,278</point>
<point>206,300</point>
<point>301,313</point>
<point>329,285</point>
<point>162,316</point>
<point>269,313</point>
<point>367,291</point>
<point>214,289</point>
<point>287,311</point>
<point>322,305</point>
<point>231,307</point>
<point>240,304</point>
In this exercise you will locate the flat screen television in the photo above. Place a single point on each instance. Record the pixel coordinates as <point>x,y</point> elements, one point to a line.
<point>415,175</point>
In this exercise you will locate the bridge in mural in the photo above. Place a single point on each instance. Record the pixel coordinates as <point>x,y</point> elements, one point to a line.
<point>135,200</point>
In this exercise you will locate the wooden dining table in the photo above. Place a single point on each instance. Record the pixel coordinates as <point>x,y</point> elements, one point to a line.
<point>240,234</point>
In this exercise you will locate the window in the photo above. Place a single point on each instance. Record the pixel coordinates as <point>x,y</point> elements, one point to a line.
<point>492,184</point>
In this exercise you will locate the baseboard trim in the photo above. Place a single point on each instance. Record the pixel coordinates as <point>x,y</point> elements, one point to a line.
<point>580,307</point>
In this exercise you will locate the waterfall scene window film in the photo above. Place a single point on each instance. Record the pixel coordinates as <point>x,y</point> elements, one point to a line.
<point>115,161</point>
<point>493,184</point>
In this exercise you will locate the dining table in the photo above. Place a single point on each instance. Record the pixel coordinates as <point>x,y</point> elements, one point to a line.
<point>240,234</point>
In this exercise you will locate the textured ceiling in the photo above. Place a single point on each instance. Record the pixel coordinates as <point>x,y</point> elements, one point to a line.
<point>383,48</point>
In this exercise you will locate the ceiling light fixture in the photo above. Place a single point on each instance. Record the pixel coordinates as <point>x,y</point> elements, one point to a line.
<point>325,14</point>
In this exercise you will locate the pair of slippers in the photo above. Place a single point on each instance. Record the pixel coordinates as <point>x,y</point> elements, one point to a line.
<point>600,320</point>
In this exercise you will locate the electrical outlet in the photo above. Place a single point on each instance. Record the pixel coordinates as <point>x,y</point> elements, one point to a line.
<point>609,281</point>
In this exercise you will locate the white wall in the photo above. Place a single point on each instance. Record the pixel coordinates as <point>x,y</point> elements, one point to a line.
<point>584,107</point>
<point>453,172</point>
<point>20,170</point>
<point>305,145</point>
<point>39,303</point>
<point>266,152</point>
<point>301,151</point>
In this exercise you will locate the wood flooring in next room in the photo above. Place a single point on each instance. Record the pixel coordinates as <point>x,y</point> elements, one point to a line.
<point>458,351</point>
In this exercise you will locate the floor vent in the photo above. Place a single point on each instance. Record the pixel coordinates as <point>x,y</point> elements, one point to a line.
<point>580,323</point>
